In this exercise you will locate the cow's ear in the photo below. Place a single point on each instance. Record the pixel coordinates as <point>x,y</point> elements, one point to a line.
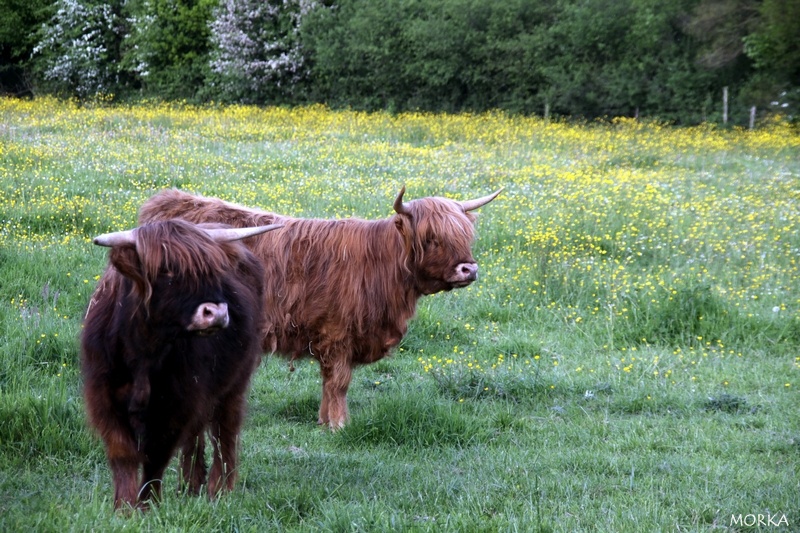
<point>403,224</point>
<point>404,227</point>
<point>127,262</point>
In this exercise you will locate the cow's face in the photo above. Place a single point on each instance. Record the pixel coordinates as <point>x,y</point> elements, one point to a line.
<point>174,302</point>
<point>439,234</point>
<point>188,306</point>
<point>178,271</point>
<point>442,251</point>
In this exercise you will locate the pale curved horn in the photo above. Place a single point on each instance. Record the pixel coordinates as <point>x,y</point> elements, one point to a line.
<point>469,205</point>
<point>399,206</point>
<point>116,238</point>
<point>235,234</point>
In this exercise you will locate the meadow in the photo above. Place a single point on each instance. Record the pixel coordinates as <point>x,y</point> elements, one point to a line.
<point>629,359</point>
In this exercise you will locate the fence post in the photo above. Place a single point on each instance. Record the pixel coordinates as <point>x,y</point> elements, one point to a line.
<point>752,117</point>
<point>725,105</point>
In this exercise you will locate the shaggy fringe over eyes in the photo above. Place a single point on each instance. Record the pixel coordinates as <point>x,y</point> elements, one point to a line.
<point>437,216</point>
<point>178,248</point>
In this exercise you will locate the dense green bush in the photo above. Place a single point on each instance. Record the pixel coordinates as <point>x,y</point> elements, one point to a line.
<point>589,58</point>
<point>18,20</point>
<point>170,47</point>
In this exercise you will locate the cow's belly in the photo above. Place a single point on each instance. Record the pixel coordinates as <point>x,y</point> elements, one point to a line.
<point>361,350</point>
<point>377,349</point>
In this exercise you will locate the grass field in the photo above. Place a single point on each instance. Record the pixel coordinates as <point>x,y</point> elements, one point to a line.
<point>629,359</point>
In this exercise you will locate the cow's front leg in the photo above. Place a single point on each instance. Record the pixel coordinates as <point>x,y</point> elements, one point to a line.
<point>335,382</point>
<point>123,459</point>
<point>103,406</point>
<point>323,419</point>
<point>193,462</point>
<point>153,474</point>
<point>225,430</point>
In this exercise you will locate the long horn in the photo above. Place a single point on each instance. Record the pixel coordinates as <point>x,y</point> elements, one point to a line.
<point>116,238</point>
<point>235,234</point>
<point>399,206</point>
<point>469,205</point>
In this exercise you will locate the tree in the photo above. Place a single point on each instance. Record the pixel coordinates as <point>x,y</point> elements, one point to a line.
<point>571,57</point>
<point>443,55</point>
<point>169,46</point>
<point>657,64</point>
<point>721,26</point>
<point>256,52</point>
<point>774,48</point>
<point>19,22</point>
<point>357,54</point>
<point>78,48</point>
<point>474,54</point>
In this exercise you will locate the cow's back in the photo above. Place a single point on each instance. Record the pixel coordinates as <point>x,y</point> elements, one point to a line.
<point>328,282</point>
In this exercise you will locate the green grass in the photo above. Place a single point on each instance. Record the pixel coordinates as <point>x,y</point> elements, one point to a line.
<point>628,360</point>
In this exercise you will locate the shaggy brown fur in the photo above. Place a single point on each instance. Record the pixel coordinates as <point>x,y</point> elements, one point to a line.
<point>343,291</point>
<point>150,384</point>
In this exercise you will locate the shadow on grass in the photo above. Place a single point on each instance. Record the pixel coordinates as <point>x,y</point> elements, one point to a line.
<point>697,312</point>
<point>302,409</point>
<point>418,421</point>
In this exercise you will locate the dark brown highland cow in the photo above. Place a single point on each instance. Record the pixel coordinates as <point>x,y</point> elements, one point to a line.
<point>343,291</point>
<point>170,340</point>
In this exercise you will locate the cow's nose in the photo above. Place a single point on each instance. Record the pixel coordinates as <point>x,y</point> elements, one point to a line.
<point>209,317</point>
<point>466,272</point>
<point>469,270</point>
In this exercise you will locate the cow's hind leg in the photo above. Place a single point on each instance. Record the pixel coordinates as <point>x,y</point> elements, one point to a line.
<point>335,382</point>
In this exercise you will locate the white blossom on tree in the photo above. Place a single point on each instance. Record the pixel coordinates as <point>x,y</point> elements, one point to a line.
<point>139,52</point>
<point>75,46</point>
<point>257,45</point>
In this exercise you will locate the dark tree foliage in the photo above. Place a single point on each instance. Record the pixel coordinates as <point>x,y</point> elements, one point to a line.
<point>357,54</point>
<point>18,21</point>
<point>589,58</point>
<point>721,26</point>
<point>775,44</point>
<point>569,57</point>
<point>170,47</point>
<point>774,48</point>
<point>477,55</point>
